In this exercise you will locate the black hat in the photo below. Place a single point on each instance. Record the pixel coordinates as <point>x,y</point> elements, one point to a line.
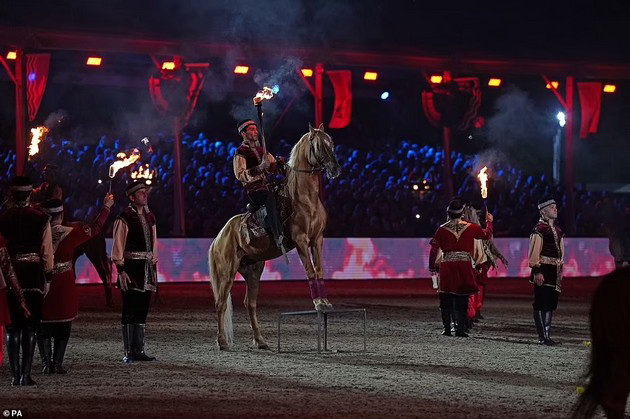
<point>52,206</point>
<point>242,126</point>
<point>455,207</point>
<point>21,184</point>
<point>134,186</point>
<point>545,202</point>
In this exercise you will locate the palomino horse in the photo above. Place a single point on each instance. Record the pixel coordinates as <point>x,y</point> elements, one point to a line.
<point>230,253</point>
<point>609,372</point>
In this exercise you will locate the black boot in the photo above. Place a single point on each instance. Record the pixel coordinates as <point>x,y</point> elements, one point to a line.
<point>127,333</point>
<point>29,341</point>
<point>137,347</point>
<point>540,326</point>
<point>45,352</point>
<point>446,321</point>
<point>461,319</point>
<point>13,352</point>
<point>547,316</point>
<point>60,351</point>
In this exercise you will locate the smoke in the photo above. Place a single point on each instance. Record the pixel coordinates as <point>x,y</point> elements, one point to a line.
<point>55,119</point>
<point>489,158</point>
<point>520,130</point>
<point>285,75</point>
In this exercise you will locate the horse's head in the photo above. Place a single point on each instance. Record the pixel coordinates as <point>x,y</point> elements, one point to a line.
<point>321,154</point>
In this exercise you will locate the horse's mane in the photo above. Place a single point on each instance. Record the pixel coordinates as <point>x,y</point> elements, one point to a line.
<point>298,152</point>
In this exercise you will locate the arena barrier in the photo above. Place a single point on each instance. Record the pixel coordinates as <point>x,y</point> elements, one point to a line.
<point>185,260</point>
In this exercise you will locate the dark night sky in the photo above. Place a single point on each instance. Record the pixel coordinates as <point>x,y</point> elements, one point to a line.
<point>550,29</point>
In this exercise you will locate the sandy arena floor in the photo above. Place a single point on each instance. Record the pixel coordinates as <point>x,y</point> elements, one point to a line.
<point>409,370</point>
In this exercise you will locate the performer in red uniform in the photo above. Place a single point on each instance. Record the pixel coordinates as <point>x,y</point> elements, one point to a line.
<point>455,239</point>
<point>8,283</point>
<point>29,241</point>
<point>61,304</point>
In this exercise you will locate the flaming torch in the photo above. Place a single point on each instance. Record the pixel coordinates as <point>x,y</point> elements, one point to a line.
<point>143,172</point>
<point>123,161</point>
<point>36,137</point>
<point>265,93</point>
<point>483,178</point>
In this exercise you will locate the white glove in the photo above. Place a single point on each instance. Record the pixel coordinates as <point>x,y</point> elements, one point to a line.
<point>435,279</point>
<point>264,165</point>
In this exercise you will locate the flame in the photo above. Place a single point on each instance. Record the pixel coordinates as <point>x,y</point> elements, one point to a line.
<point>124,160</point>
<point>143,172</point>
<point>265,93</point>
<point>483,178</point>
<point>36,136</point>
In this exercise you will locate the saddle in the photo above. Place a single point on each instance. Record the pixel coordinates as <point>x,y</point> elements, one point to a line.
<point>254,226</point>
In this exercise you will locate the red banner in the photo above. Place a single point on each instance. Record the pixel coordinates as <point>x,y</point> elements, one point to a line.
<point>37,66</point>
<point>342,84</point>
<point>176,93</point>
<point>591,104</point>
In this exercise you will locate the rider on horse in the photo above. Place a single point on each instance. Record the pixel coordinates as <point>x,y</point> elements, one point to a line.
<point>251,168</point>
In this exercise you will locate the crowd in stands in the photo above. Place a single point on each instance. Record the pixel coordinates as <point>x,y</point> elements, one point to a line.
<point>374,196</point>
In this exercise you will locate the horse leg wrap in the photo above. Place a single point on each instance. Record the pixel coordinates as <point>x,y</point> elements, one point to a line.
<point>313,286</point>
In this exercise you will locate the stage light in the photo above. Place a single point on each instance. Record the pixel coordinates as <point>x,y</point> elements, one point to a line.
<point>307,72</point>
<point>95,61</point>
<point>241,69</point>
<point>417,216</point>
<point>609,88</point>
<point>436,79</point>
<point>494,82</point>
<point>370,75</point>
<point>562,119</point>
<point>384,95</point>
<point>11,55</point>
<point>168,65</point>
<point>553,84</point>
<point>415,187</point>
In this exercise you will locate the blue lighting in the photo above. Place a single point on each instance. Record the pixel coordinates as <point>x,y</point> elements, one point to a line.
<point>32,76</point>
<point>384,95</point>
<point>275,89</point>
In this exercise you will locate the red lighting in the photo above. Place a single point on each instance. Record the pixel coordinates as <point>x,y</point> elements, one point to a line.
<point>609,88</point>
<point>370,75</point>
<point>436,79</point>
<point>494,82</point>
<point>95,61</point>
<point>11,55</point>
<point>168,65</point>
<point>307,72</point>
<point>241,69</point>
<point>553,84</point>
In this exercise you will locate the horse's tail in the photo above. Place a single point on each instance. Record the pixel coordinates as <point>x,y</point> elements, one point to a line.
<point>214,281</point>
<point>610,346</point>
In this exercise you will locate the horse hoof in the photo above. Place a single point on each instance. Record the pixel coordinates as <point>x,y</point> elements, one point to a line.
<point>263,346</point>
<point>223,346</point>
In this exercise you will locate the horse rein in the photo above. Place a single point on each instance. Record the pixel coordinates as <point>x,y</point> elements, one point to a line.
<point>314,169</point>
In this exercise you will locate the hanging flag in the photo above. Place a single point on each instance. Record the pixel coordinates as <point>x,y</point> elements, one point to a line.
<point>342,84</point>
<point>37,66</point>
<point>591,104</point>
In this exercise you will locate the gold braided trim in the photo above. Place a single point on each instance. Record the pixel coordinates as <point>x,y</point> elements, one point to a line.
<point>551,261</point>
<point>138,255</point>
<point>456,257</point>
<point>27,257</point>
<point>62,267</point>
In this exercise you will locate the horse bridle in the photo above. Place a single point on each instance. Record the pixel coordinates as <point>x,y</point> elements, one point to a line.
<point>319,163</point>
